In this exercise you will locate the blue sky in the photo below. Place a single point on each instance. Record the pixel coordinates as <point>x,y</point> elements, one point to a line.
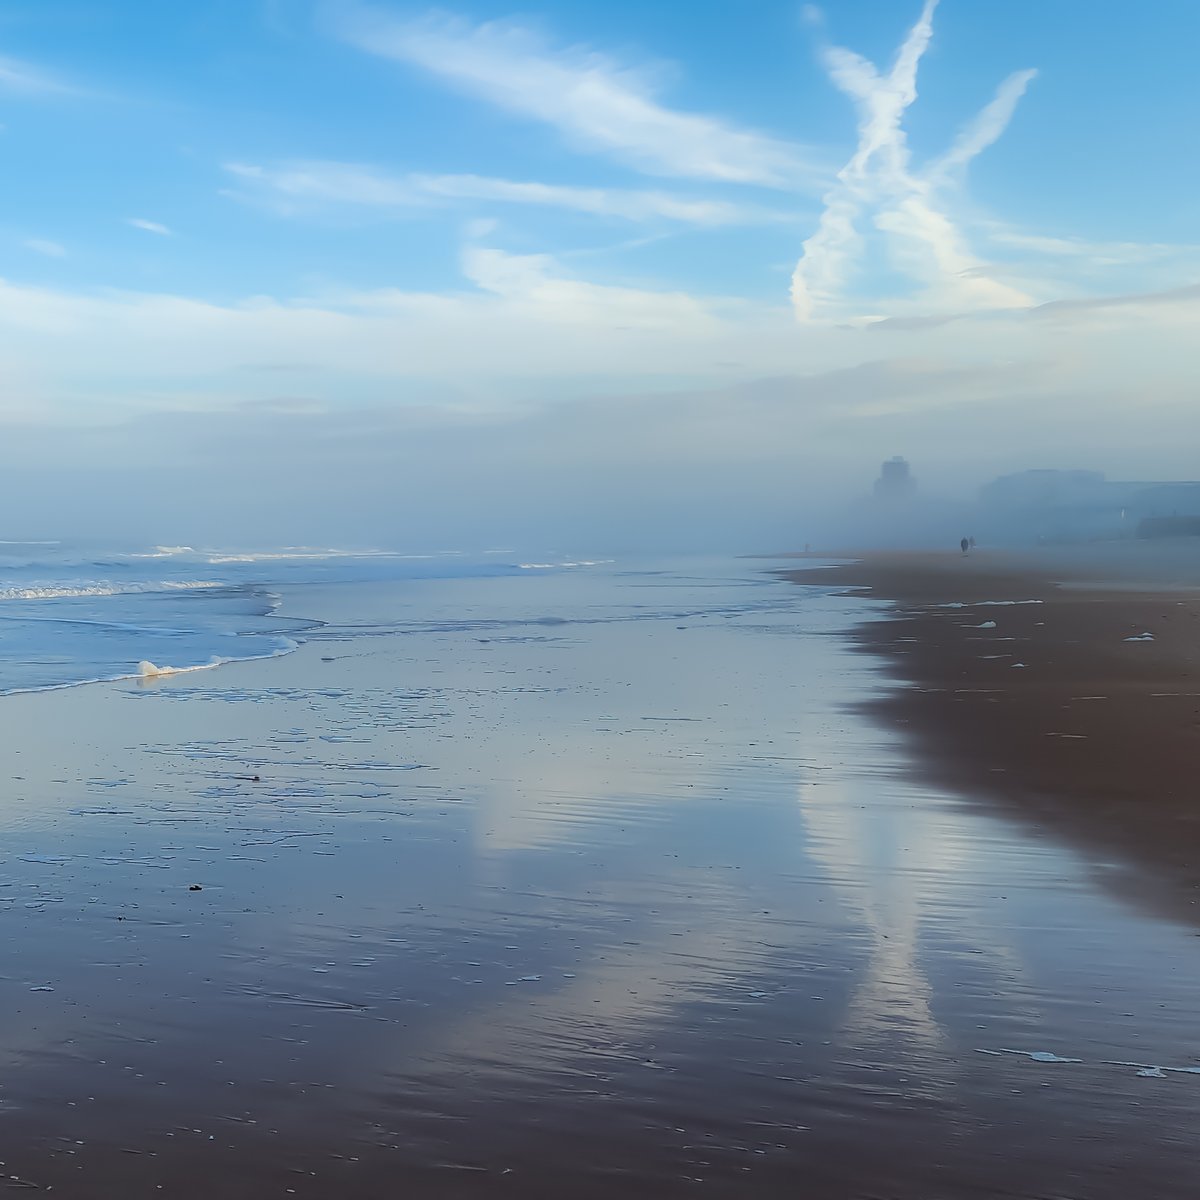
<point>845,229</point>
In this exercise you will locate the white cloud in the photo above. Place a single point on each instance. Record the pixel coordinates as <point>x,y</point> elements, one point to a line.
<point>597,103</point>
<point>289,186</point>
<point>536,288</point>
<point>520,327</point>
<point>45,246</point>
<point>148,226</point>
<point>921,238</point>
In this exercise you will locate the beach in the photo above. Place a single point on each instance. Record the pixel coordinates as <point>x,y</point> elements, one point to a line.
<point>667,879</point>
<point>1063,689</point>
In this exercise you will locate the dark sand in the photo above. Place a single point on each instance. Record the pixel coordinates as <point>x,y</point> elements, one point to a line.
<point>1049,708</point>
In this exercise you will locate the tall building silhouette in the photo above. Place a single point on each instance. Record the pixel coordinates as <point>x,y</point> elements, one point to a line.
<point>895,480</point>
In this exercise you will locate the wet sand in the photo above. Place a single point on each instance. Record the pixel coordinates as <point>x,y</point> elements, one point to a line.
<point>1068,693</point>
<point>604,884</point>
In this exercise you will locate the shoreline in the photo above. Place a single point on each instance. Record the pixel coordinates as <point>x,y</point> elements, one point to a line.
<point>1067,699</point>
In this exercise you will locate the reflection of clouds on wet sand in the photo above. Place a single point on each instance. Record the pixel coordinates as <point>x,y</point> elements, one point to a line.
<point>907,866</point>
<point>657,917</point>
<point>874,861</point>
<point>541,796</point>
<point>609,1006</point>
<point>660,788</point>
<point>648,716</point>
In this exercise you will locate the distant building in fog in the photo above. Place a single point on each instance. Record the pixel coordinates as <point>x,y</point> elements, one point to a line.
<point>1070,506</point>
<point>896,514</point>
<point>895,480</point>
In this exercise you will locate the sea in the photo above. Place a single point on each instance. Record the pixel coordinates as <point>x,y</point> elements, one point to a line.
<point>74,612</point>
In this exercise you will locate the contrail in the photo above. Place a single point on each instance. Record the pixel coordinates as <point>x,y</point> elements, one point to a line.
<point>921,239</point>
<point>987,127</point>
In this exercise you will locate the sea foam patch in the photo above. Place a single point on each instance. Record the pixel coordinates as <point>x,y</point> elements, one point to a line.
<point>1143,1069</point>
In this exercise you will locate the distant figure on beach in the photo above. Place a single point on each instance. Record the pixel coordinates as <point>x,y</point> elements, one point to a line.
<point>965,545</point>
<point>971,542</point>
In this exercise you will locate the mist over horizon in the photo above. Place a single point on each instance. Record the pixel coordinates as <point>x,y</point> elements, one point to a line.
<point>496,490</point>
<point>578,481</point>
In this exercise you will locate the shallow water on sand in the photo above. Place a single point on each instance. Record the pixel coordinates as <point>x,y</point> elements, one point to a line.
<point>575,886</point>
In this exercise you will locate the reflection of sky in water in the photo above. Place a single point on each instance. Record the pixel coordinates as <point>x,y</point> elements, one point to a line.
<point>591,840</point>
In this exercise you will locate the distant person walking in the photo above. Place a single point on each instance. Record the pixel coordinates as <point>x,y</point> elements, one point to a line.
<point>965,545</point>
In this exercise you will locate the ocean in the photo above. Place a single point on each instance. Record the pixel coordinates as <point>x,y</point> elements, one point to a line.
<point>74,613</point>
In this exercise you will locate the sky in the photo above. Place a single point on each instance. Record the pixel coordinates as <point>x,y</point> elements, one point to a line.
<point>602,273</point>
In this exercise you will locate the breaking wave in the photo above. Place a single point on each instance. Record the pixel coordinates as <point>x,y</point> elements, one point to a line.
<point>74,612</point>
<point>53,591</point>
<point>559,566</point>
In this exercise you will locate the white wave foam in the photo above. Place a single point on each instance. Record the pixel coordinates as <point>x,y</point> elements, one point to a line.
<point>554,566</point>
<point>165,552</point>
<point>306,553</point>
<point>53,591</point>
<point>149,670</point>
<point>983,603</point>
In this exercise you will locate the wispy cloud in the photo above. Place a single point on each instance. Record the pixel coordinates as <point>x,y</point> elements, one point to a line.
<point>601,202</point>
<point>45,246</point>
<point>149,226</point>
<point>538,287</point>
<point>1099,253</point>
<point>921,238</point>
<point>987,127</point>
<point>26,79</point>
<point>291,183</point>
<point>289,186</point>
<point>596,102</point>
<point>1187,297</point>
<point>1074,268</point>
